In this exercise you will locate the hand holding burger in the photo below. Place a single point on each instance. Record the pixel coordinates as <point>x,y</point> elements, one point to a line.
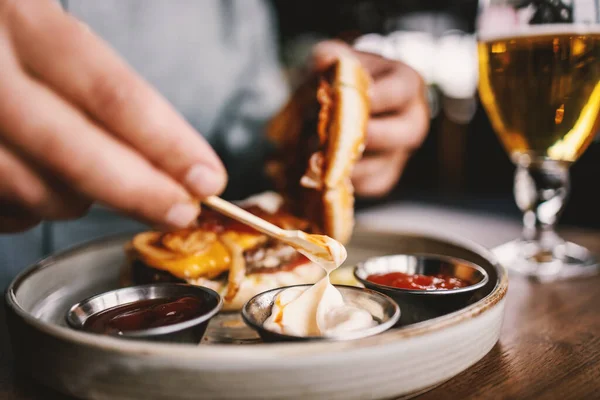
<point>399,117</point>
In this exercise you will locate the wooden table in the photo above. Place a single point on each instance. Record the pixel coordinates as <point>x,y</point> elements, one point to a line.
<point>549,347</point>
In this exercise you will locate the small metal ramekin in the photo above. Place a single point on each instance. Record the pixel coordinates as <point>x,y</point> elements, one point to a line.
<point>190,331</point>
<point>420,305</point>
<point>383,309</point>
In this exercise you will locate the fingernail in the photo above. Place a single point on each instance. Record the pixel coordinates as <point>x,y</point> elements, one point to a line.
<point>182,215</point>
<point>204,181</point>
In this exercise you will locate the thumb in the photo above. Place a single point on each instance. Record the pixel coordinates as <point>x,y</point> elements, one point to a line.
<point>327,52</point>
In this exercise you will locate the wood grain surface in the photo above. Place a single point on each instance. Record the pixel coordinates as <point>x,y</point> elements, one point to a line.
<point>549,347</point>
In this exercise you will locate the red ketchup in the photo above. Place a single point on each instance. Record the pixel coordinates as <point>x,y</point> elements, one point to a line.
<point>401,280</point>
<point>146,314</point>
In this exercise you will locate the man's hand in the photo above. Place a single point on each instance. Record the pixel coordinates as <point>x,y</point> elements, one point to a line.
<point>77,125</point>
<point>399,117</point>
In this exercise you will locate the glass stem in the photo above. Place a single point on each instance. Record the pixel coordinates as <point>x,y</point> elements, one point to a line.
<point>541,190</point>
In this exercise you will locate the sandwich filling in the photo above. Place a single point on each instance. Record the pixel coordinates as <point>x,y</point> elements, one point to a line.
<point>219,249</point>
<point>320,138</point>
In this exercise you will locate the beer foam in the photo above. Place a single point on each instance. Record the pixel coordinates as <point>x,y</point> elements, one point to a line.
<point>511,32</point>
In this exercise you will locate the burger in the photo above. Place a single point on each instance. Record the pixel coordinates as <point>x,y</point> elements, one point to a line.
<point>319,135</point>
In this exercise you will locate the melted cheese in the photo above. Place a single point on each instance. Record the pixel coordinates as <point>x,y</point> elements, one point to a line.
<point>246,240</point>
<point>191,256</point>
<point>214,261</point>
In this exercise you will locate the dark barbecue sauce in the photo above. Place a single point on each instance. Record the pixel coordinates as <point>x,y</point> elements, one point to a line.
<point>418,282</point>
<point>145,314</point>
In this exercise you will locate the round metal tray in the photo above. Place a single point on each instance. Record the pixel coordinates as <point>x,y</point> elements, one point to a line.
<point>231,362</point>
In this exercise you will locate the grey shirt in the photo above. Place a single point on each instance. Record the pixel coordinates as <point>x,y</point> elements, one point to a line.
<point>215,60</point>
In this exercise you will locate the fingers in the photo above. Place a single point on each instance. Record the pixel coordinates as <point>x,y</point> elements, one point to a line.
<point>17,224</point>
<point>394,90</point>
<point>376,176</point>
<point>22,187</point>
<point>398,123</point>
<point>376,65</point>
<point>88,73</point>
<point>61,141</point>
<point>394,83</point>
<point>14,218</point>
<point>401,131</point>
<point>327,52</point>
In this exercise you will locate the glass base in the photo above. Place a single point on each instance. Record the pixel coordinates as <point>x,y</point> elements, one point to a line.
<point>565,261</point>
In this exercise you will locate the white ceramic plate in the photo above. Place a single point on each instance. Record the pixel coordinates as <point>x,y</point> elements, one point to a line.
<point>397,363</point>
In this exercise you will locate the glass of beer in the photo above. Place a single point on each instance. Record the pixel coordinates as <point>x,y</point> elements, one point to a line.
<point>539,82</point>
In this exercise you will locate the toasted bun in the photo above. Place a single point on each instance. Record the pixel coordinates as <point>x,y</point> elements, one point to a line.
<point>320,135</point>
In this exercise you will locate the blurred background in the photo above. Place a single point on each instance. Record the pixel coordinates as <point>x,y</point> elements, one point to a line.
<point>462,163</point>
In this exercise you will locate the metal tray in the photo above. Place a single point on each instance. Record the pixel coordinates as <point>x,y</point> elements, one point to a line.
<point>400,362</point>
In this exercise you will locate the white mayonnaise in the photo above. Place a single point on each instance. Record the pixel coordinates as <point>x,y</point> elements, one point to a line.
<point>319,310</point>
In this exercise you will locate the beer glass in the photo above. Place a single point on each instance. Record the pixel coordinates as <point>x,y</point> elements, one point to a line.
<point>539,82</point>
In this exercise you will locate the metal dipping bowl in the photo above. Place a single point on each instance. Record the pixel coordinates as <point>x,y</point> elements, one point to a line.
<point>190,331</point>
<point>420,305</point>
<point>383,309</point>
